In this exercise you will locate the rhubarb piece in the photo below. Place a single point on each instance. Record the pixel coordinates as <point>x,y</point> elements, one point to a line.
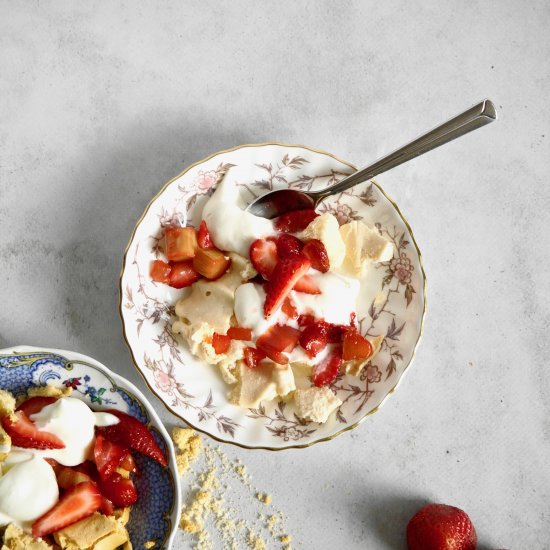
<point>181,243</point>
<point>160,272</point>
<point>211,263</point>
<point>220,342</point>
<point>240,333</point>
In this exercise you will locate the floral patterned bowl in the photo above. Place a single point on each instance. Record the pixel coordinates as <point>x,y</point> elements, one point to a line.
<point>392,304</point>
<point>155,516</point>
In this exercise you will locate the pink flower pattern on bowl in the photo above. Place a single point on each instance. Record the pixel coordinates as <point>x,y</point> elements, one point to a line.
<point>392,300</point>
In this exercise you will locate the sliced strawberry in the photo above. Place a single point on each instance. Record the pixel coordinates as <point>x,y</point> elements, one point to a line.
<point>220,342</point>
<point>325,371</point>
<point>335,333</point>
<point>316,252</point>
<point>25,434</point>
<point>128,463</point>
<point>107,508</point>
<point>183,274</point>
<point>181,243</point>
<point>355,346</point>
<point>314,338</point>
<point>130,432</point>
<point>34,405</point>
<point>263,255</point>
<point>68,477</point>
<point>160,271</point>
<point>289,309</point>
<point>277,339</point>
<point>253,356</point>
<point>107,455</point>
<point>240,333</point>
<point>288,245</point>
<point>77,503</point>
<point>307,284</point>
<point>119,490</point>
<point>203,237</point>
<point>295,221</point>
<point>285,275</point>
<point>305,319</point>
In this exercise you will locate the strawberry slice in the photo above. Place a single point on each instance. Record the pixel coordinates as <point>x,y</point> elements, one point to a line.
<point>68,477</point>
<point>119,490</point>
<point>203,237</point>
<point>289,245</point>
<point>277,339</point>
<point>131,433</point>
<point>314,338</point>
<point>355,346</point>
<point>77,503</point>
<point>107,455</point>
<point>307,284</point>
<point>316,252</point>
<point>263,255</point>
<point>325,371</point>
<point>182,274</point>
<point>220,342</point>
<point>160,272</point>
<point>298,220</point>
<point>240,333</point>
<point>285,275</point>
<point>305,319</point>
<point>25,434</point>
<point>289,309</point>
<point>107,508</point>
<point>34,405</point>
<point>252,357</point>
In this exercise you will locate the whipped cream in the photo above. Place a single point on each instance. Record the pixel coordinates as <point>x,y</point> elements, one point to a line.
<point>73,422</point>
<point>27,490</point>
<point>230,227</point>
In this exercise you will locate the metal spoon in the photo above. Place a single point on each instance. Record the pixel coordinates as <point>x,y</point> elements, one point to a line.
<point>278,202</point>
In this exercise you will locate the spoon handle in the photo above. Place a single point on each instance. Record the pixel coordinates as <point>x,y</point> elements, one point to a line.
<point>481,114</point>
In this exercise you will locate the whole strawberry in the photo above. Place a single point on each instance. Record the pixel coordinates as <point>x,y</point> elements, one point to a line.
<point>441,527</point>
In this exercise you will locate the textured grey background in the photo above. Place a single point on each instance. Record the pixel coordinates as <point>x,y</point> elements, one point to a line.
<point>102,102</point>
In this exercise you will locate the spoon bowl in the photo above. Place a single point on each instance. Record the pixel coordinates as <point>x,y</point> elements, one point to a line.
<point>278,202</point>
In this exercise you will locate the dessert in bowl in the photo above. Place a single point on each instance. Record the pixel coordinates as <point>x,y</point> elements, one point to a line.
<point>86,461</point>
<point>271,334</point>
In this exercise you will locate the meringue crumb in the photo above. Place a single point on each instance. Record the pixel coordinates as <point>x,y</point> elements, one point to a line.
<point>193,516</point>
<point>285,539</point>
<point>188,447</point>
<point>149,544</point>
<point>264,498</point>
<point>255,542</point>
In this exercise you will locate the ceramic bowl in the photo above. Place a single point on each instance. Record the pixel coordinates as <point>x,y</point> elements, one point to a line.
<point>392,301</point>
<point>155,516</point>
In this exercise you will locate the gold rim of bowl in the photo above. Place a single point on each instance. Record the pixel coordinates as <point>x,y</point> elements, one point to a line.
<point>263,447</point>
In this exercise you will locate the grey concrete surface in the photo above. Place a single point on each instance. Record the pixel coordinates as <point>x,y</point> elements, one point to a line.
<point>102,102</point>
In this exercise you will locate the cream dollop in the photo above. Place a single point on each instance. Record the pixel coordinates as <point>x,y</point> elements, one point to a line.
<point>73,422</point>
<point>27,490</point>
<point>233,229</point>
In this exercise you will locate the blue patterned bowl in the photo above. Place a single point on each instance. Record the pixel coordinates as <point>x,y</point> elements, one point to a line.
<point>155,516</point>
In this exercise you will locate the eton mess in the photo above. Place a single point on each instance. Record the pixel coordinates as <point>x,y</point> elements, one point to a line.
<point>66,472</point>
<point>272,303</point>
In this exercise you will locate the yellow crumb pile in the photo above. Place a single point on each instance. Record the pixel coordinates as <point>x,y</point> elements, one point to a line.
<point>211,514</point>
<point>188,447</point>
